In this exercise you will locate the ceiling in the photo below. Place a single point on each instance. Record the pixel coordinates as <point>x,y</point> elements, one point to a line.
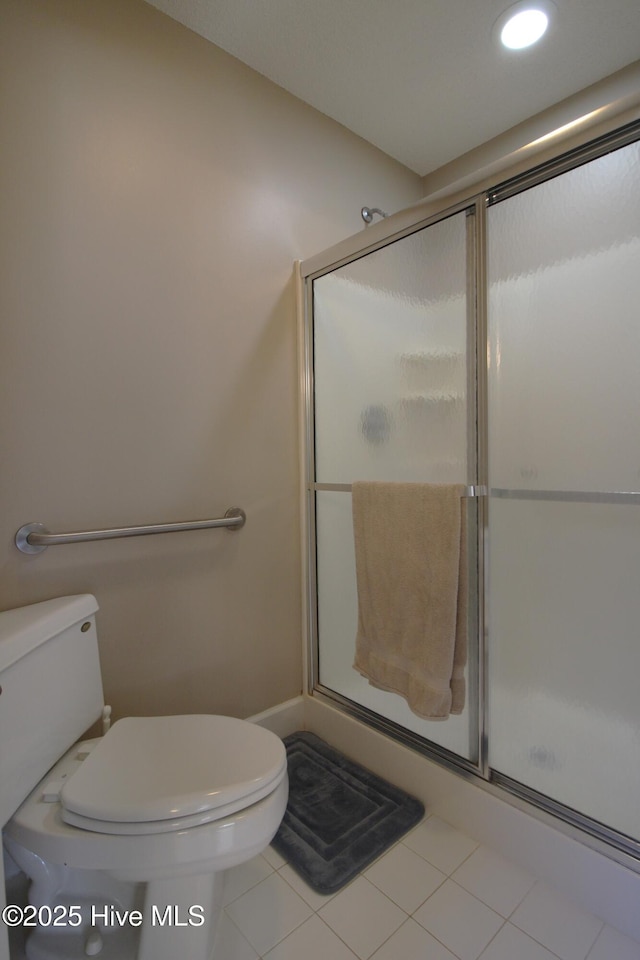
<point>423,80</point>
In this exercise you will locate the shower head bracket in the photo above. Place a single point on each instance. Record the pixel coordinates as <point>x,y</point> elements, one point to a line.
<point>367,213</point>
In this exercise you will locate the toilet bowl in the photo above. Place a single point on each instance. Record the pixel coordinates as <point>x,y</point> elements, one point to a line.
<point>126,837</point>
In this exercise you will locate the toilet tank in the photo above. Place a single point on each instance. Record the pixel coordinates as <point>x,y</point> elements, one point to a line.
<point>51,689</point>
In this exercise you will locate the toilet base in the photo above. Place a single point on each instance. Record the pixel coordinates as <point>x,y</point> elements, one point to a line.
<point>175,918</point>
<point>181,917</point>
<point>117,945</point>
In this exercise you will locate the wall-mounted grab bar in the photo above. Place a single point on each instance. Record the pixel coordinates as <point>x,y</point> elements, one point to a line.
<point>34,537</point>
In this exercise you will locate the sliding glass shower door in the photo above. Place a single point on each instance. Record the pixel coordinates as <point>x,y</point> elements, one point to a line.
<point>564,465</point>
<point>393,357</point>
<point>533,394</point>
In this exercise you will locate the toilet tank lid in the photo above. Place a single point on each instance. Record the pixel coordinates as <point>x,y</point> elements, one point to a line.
<point>25,628</point>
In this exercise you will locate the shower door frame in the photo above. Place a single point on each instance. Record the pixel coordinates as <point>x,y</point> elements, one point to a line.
<point>474,208</point>
<point>599,836</point>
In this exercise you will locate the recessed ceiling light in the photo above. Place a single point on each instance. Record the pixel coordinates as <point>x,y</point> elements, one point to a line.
<point>524,23</point>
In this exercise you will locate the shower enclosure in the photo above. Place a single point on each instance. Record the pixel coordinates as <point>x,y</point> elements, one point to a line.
<point>497,344</point>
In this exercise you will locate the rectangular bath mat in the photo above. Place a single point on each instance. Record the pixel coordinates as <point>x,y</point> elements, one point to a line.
<point>339,817</point>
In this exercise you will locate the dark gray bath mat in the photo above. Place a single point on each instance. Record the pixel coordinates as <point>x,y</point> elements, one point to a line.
<point>339,816</point>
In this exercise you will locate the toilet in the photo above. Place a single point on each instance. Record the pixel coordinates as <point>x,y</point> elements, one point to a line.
<point>124,837</point>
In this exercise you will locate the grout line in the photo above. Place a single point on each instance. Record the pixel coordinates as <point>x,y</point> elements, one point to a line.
<point>329,927</point>
<point>549,950</point>
<point>438,940</point>
<point>492,939</point>
<point>602,926</point>
<point>381,945</point>
<point>328,897</point>
<point>523,898</point>
<point>235,925</point>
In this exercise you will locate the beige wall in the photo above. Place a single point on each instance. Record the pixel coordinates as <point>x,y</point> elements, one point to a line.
<point>155,193</point>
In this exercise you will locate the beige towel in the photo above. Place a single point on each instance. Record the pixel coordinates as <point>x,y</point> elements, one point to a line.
<point>411,568</point>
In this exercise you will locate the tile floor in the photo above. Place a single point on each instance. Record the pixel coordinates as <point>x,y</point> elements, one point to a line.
<point>435,895</point>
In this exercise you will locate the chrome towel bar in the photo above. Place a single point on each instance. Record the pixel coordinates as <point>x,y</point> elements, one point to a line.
<point>569,496</point>
<point>559,496</point>
<point>471,492</point>
<point>34,537</point>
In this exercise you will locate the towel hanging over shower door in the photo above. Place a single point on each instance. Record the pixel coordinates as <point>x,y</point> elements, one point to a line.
<point>411,571</point>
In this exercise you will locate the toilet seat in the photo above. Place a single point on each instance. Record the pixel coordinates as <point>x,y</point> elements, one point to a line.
<point>161,774</point>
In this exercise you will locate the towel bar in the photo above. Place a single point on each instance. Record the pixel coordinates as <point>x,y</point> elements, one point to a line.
<point>34,537</point>
<point>567,496</point>
<point>472,491</point>
<point>501,493</point>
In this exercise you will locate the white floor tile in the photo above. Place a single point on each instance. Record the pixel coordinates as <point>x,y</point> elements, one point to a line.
<point>612,945</point>
<point>404,876</point>
<point>230,944</point>
<point>441,844</point>
<point>241,878</point>
<point>459,920</point>
<point>556,923</point>
<point>315,900</point>
<point>268,913</point>
<point>412,942</point>
<point>497,882</point>
<point>313,941</point>
<point>512,944</point>
<point>274,858</point>
<point>363,917</point>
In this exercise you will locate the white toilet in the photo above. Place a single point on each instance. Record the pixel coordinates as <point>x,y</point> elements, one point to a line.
<point>132,829</point>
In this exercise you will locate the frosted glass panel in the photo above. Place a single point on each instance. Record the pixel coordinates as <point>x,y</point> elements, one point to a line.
<point>564,415</point>
<point>390,385</point>
<point>565,654</point>
<point>390,367</point>
<point>564,351</point>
